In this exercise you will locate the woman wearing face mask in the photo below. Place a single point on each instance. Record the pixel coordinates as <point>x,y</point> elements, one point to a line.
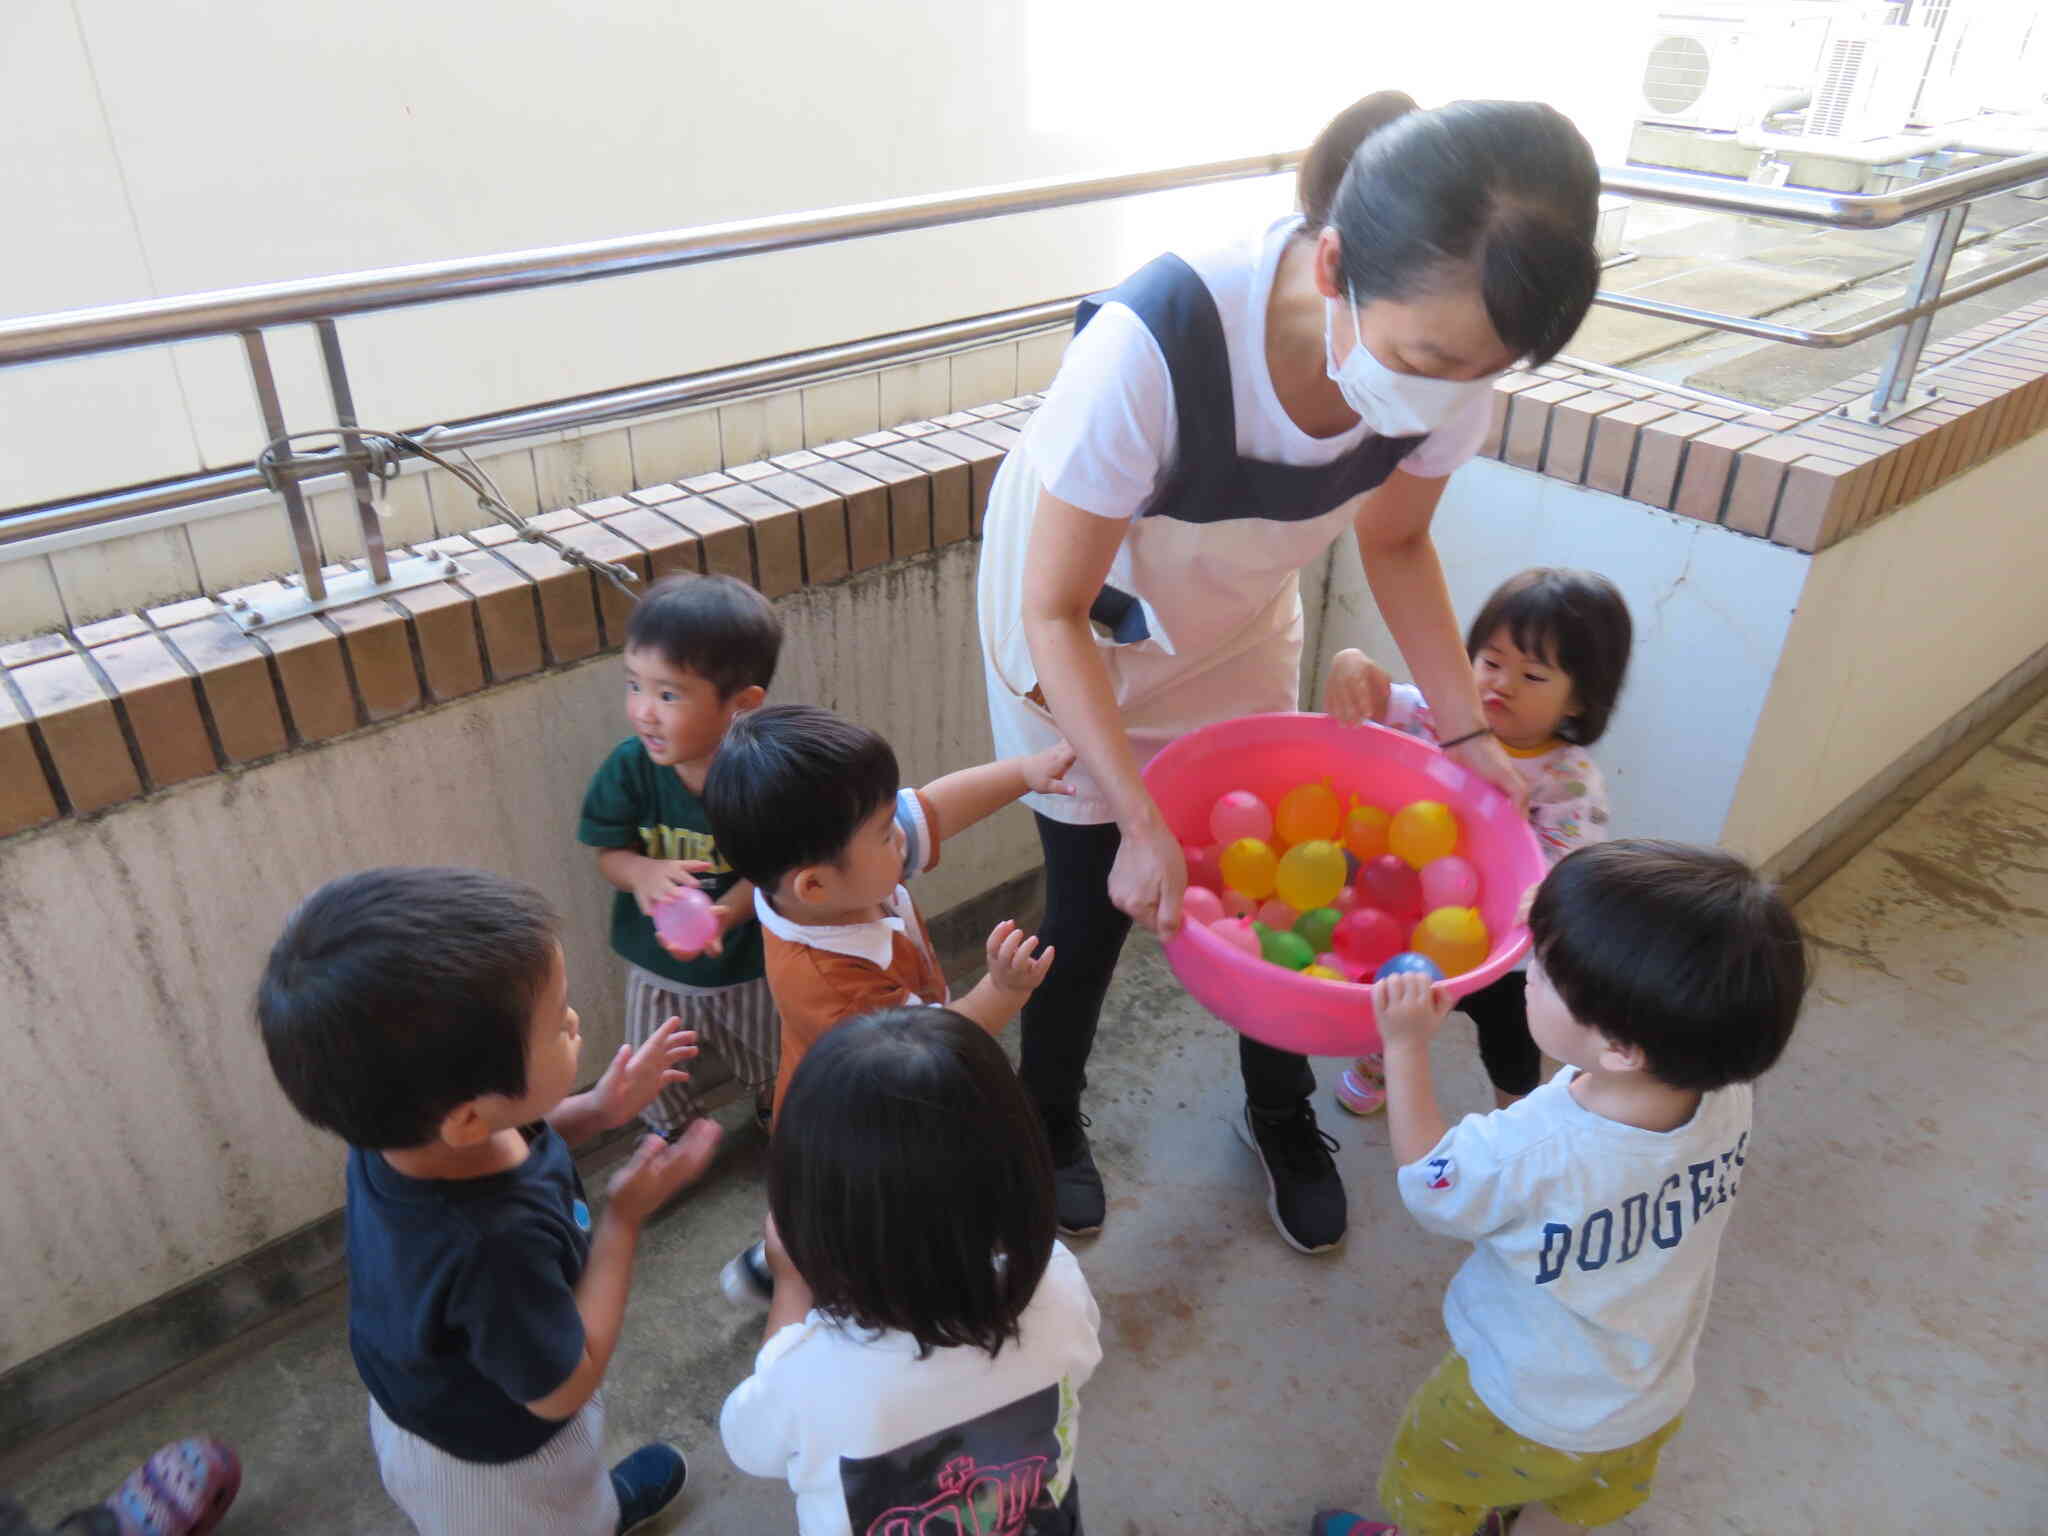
<point>1218,422</point>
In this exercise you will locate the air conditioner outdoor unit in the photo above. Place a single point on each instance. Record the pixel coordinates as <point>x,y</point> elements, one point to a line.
<point>1989,56</point>
<point>1867,80</point>
<point>1716,64</point>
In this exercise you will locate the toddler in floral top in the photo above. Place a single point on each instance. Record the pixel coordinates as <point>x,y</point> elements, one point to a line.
<point>1549,651</point>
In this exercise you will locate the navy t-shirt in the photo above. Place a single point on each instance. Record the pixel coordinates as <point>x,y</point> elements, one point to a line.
<point>462,1304</point>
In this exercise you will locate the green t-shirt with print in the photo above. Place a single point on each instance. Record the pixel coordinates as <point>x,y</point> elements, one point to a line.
<point>634,802</point>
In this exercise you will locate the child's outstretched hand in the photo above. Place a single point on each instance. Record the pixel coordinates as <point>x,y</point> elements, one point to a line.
<point>658,1169</point>
<point>1046,772</point>
<point>1015,962</point>
<point>658,879</point>
<point>1409,1007</point>
<point>1357,689</point>
<point>634,1078</point>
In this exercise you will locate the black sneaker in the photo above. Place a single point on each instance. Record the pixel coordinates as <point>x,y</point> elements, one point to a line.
<point>1303,1193</point>
<point>1076,1185</point>
<point>647,1482</point>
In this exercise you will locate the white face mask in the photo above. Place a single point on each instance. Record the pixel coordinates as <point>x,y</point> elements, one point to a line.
<point>1389,403</point>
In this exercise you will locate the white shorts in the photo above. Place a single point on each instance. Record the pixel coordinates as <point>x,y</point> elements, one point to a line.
<point>562,1489</point>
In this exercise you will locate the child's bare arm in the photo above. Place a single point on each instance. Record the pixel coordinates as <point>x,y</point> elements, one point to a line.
<point>1016,965</point>
<point>1409,1009</point>
<point>657,1171</point>
<point>634,1080</point>
<point>959,800</point>
<point>1357,688</point>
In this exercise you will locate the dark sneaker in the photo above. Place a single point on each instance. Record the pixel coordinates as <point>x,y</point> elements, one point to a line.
<point>1303,1193</point>
<point>1076,1185</point>
<point>647,1482</point>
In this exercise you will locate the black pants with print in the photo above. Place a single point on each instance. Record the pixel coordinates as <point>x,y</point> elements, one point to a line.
<point>1087,934</point>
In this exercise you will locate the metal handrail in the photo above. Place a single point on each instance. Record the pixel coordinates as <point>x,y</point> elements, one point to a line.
<point>231,311</point>
<point>248,311</point>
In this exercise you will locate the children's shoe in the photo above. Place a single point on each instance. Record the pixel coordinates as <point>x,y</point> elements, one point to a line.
<point>647,1482</point>
<point>1340,1522</point>
<point>183,1490</point>
<point>746,1280</point>
<point>1363,1087</point>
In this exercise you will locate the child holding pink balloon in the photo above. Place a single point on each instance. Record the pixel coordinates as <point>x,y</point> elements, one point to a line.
<point>1549,651</point>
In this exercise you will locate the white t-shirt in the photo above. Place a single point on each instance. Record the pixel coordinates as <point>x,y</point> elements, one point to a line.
<point>1593,1254</point>
<point>1107,427</point>
<point>863,1429</point>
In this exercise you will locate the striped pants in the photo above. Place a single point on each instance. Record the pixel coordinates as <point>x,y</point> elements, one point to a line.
<point>562,1489</point>
<point>739,1036</point>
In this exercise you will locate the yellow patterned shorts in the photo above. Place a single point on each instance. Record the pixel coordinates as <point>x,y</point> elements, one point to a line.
<point>1453,1461</point>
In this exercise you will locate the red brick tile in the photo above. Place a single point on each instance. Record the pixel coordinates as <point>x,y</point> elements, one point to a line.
<point>26,799</point>
<point>995,433</point>
<point>316,688</point>
<point>670,547</point>
<point>1704,478</point>
<point>188,610</point>
<point>822,517</point>
<point>1758,477</point>
<point>236,684</point>
<point>1571,432</point>
<point>803,458</point>
<point>867,510</point>
<point>1496,426</point>
<point>910,501</point>
<point>568,604</point>
<point>983,460</point>
<point>80,731</point>
<point>508,614</point>
<point>747,474</point>
<point>1660,450</point>
<point>727,549</point>
<point>1529,422</point>
<point>162,707</point>
<point>380,655</point>
<point>614,606</point>
<point>845,448</point>
<point>607,506</point>
<point>697,485</point>
<point>1614,444</point>
<point>557,520</point>
<point>778,537</point>
<point>444,622</point>
<point>1816,502</point>
<point>952,488</point>
<point>122,626</point>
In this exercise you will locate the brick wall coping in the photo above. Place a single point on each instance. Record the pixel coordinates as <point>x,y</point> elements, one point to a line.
<point>107,712</point>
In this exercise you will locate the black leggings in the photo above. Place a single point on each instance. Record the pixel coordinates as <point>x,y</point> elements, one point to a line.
<point>1500,1012</point>
<point>1087,934</point>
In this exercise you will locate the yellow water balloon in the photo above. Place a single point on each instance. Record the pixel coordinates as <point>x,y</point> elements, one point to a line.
<point>1423,832</point>
<point>1454,937</point>
<point>1249,867</point>
<point>1311,874</point>
<point>1365,832</point>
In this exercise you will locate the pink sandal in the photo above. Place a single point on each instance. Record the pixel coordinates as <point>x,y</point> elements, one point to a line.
<point>1363,1087</point>
<point>183,1490</point>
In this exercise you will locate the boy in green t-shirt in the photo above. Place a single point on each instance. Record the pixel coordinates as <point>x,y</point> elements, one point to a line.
<point>699,650</point>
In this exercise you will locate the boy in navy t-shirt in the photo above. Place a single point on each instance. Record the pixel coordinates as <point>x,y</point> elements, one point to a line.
<point>423,1016</point>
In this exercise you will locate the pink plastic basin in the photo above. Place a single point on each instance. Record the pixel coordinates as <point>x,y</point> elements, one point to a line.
<point>1269,755</point>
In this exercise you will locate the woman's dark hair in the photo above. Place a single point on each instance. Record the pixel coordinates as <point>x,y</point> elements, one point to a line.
<point>1575,621</point>
<point>789,788</point>
<point>911,1180</point>
<point>1501,194</point>
<point>395,995</point>
<point>1685,952</point>
<point>715,626</point>
<point>1323,167</point>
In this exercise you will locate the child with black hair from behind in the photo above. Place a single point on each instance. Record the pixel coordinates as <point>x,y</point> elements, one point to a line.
<point>929,1334</point>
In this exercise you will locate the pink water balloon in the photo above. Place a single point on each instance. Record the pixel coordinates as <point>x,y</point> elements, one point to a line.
<point>1237,904</point>
<point>1240,814</point>
<point>1277,914</point>
<point>1365,937</point>
<point>1199,904</point>
<point>1203,868</point>
<point>686,922</point>
<point>1449,882</point>
<point>1238,931</point>
<point>1336,962</point>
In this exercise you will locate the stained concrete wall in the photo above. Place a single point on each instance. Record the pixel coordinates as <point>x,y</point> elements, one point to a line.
<point>1899,629</point>
<point>145,1142</point>
<point>1711,609</point>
